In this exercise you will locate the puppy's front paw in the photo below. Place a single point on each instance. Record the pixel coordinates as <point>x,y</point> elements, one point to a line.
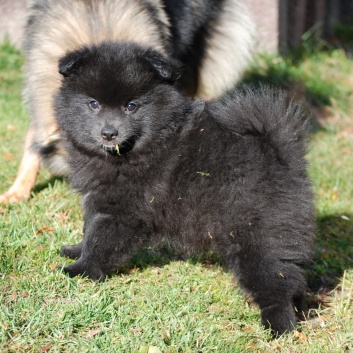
<point>71,251</point>
<point>80,268</point>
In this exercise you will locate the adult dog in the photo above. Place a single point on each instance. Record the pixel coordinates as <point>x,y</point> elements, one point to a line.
<point>212,38</point>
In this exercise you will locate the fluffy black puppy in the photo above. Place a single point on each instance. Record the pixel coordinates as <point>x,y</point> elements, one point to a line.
<point>153,165</point>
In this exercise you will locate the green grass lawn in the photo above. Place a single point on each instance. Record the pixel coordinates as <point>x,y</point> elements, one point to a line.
<point>161,301</point>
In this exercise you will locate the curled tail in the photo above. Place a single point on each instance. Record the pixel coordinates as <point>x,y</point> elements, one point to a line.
<point>269,113</point>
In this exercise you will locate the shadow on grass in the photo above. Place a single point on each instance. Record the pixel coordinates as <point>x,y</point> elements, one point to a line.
<point>163,255</point>
<point>285,72</point>
<point>49,183</point>
<point>333,252</point>
<point>333,255</point>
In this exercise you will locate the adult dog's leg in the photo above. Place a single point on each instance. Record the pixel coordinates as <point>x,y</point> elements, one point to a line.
<point>27,174</point>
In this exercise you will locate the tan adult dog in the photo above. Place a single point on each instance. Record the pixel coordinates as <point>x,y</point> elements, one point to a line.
<point>212,38</point>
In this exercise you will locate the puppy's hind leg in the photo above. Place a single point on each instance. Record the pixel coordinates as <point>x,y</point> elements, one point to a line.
<point>27,174</point>
<point>274,285</point>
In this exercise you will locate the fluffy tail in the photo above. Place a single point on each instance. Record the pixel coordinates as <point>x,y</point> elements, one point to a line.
<point>269,113</point>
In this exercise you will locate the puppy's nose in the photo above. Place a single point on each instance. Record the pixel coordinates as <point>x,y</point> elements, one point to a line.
<point>109,133</point>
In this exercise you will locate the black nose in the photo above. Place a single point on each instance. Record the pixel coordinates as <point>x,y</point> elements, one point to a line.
<point>109,133</point>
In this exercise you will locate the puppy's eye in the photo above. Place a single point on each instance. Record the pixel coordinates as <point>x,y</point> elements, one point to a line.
<point>94,104</point>
<point>131,107</point>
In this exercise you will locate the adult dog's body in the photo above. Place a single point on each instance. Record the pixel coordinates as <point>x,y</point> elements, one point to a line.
<point>153,165</point>
<point>213,39</point>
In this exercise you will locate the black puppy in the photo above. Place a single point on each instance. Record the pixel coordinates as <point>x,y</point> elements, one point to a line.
<point>153,165</point>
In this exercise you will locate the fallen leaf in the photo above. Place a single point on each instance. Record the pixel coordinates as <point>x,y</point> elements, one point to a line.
<point>13,296</point>
<point>300,337</point>
<point>26,346</point>
<point>45,229</point>
<point>135,330</point>
<point>3,210</point>
<point>252,346</point>
<point>25,295</point>
<point>92,333</point>
<point>11,127</point>
<point>247,328</point>
<point>278,347</point>
<point>53,266</point>
<point>133,270</point>
<point>346,150</point>
<point>62,215</point>
<point>7,156</point>
<point>45,348</point>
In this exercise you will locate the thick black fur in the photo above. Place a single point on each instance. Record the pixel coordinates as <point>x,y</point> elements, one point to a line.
<point>227,175</point>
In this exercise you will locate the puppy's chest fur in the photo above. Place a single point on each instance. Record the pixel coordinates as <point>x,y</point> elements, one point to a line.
<point>183,191</point>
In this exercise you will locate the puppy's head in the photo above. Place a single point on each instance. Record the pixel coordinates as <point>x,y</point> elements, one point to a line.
<point>115,97</point>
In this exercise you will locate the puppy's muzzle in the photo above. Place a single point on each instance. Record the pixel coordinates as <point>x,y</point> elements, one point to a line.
<point>109,133</point>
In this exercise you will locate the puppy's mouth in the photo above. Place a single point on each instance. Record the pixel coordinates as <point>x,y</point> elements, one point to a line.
<point>121,148</point>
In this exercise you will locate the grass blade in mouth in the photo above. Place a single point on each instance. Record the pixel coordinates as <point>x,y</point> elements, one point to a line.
<point>117,149</point>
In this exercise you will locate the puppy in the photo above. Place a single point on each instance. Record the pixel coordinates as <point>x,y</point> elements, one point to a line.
<point>153,165</point>
<point>212,38</point>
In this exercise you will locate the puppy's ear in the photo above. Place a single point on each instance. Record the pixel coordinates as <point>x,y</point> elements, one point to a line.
<point>71,62</point>
<point>168,70</point>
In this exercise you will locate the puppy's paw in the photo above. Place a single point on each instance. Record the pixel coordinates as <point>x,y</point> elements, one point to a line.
<point>80,268</point>
<point>71,251</point>
<point>280,318</point>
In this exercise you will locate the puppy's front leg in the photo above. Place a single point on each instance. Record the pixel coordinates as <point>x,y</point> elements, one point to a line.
<point>107,244</point>
<point>74,251</point>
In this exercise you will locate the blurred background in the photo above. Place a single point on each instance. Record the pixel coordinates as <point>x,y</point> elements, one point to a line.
<point>281,23</point>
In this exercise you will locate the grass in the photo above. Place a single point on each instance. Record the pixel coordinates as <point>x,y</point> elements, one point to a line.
<point>160,300</point>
